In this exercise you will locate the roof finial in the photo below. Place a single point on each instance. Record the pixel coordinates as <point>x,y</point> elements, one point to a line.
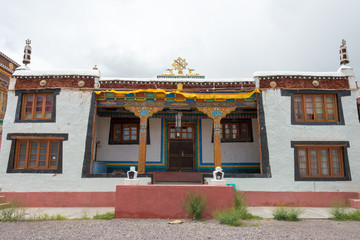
<point>27,52</point>
<point>344,57</point>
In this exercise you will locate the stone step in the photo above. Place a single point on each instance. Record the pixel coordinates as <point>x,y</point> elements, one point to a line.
<point>354,203</point>
<point>177,177</point>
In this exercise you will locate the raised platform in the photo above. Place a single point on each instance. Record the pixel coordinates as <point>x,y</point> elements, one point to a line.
<point>178,177</point>
<point>167,201</point>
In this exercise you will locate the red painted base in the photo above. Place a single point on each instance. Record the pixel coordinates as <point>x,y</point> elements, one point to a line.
<point>62,199</point>
<point>301,199</point>
<point>107,199</point>
<point>166,201</point>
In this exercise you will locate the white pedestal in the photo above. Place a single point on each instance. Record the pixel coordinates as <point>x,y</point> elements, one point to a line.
<point>215,182</point>
<point>131,181</point>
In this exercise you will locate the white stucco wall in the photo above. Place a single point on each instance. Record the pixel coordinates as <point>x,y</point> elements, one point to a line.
<point>72,113</point>
<point>280,133</point>
<point>127,152</point>
<point>238,152</point>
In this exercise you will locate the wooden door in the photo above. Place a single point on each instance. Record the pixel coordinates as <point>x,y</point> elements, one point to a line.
<point>181,147</point>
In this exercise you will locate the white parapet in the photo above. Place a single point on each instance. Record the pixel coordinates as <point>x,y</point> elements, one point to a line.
<point>215,182</point>
<point>131,181</point>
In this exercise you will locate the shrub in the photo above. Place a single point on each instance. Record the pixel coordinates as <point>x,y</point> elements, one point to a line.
<point>287,213</point>
<point>229,217</point>
<point>241,207</point>
<point>105,216</point>
<point>12,213</point>
<point>341,212</point>
<point>195,204</point>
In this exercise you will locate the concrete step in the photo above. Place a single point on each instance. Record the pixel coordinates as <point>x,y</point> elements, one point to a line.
<point>354,203</point>
<point>177,177</point>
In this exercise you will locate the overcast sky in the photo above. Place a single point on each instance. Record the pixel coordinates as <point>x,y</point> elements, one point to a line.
<point>220,39</point>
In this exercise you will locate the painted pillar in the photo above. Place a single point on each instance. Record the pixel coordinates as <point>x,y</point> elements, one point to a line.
<point>143,113</point>
<point>142,144</point>
<point>217,113</point>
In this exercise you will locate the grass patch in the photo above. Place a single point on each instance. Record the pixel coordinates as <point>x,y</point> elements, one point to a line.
<point>105,216</point>
<point>229,217</point>
<point>233,216</point>
<point>47,217</point>
<point>194,205</point>
<point>341,212</point>
<point>287,213</point>
<point>12,213</point>
<point>242,209</point>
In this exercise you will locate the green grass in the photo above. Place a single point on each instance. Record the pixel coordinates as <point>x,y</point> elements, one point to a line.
<point>46,217</point>
<point>12,213</point>
<point>194,205</point>
<point>229,217</point>
<point>233,216</point>
<point>105,216</point>
<point>287,213</point>
<point>341,212</point>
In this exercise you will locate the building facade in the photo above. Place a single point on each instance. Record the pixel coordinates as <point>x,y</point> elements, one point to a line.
<point>72,134</point>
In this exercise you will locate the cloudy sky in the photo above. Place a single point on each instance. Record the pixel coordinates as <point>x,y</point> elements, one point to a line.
<point>220,39</point>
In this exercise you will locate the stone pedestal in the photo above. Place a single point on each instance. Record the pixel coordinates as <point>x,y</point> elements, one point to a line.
<point>131,181</point>
<point>215,182</point>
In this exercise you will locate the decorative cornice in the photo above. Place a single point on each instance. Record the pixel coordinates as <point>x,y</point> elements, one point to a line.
<point>301,77</point>
<point>9,59</point>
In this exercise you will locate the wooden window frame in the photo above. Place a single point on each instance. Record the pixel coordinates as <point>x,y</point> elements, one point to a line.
<point>29,141</point>
<point>18,138</point>
<point>123,125</point>
<point>20,108</point>
<point>33,107</point>
<point>307,146</point>
<point>180,138</point>
<point>125,121</point>
<point>324,109</point>
<point>238,123</point>
<point>330,168</point>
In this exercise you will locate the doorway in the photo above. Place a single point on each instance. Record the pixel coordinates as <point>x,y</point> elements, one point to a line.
<point>181,147</point>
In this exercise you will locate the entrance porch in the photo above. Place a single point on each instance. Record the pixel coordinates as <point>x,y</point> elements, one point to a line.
<point>143,129</point>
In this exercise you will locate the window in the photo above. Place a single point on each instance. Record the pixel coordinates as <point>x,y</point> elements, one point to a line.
<point>236,130</point>
<point>37,106</point>
<point>182,133</point>
<point>36,152</point>
<point>3,100</point>
<point>321,161</point>
<point>315,108</point>
<point>126,131</point>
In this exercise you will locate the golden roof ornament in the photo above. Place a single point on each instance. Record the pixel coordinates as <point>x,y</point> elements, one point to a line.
<point>180,65</point>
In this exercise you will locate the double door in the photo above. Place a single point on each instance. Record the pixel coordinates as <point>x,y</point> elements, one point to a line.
<point>181,147</point>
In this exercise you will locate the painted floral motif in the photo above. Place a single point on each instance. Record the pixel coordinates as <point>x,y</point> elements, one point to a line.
<point>216,113</point>
<point>144,112</point>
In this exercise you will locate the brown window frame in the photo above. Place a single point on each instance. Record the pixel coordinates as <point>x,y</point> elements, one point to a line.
<point>49,154</point>
<point>33,106</point>
<point>17,138</point>
<point>319,163</point>
<point>238,123</point>
<point>122,136</point>
<point>126,121</point>
<point>181,137</point>
<point>303,108</point>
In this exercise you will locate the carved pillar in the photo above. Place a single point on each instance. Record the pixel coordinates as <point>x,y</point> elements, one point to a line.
<point>143,113</point>
<point>217,113</point>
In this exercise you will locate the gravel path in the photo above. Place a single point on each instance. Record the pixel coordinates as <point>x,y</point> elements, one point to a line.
<point>160,229</point>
